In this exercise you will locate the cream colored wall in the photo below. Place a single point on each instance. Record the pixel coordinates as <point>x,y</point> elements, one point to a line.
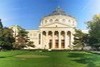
<point>67,20</point>
<point>34,37</point>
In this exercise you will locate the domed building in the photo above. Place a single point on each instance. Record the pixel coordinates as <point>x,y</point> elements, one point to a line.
<point>55,31</point>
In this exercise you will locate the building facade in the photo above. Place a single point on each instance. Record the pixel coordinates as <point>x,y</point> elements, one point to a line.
<point>55,31</point>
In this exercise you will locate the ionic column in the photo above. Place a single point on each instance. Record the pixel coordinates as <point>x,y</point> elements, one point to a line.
<point>41,40</point>
<point>59,35</point>
<point>66,40</point>
<point>46,43</point>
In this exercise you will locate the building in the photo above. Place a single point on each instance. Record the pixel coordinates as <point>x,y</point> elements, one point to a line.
<point>55,31</point>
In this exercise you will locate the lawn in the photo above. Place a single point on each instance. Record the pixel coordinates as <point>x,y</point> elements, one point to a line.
<point>49,59</point>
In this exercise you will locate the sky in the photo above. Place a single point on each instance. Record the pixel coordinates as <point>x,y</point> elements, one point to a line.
<point>28,13</point>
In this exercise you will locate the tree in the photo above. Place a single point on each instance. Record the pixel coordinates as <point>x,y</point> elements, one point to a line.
<point>31,44</point>
<point>1,29</point>
<point>6,37</point>
<point>1,26</point>
<point>94,32</point>
<point>22,38</point>
<point>80,39</point>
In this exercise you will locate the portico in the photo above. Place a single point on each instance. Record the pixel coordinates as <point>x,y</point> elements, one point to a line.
<point>56,39</point>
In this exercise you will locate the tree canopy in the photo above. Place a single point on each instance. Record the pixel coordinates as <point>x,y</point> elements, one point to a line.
<point>21,38</point>
<point>1,26</point>
<point>80,39</point>
<point>6,37</point>
<point>94,31</point>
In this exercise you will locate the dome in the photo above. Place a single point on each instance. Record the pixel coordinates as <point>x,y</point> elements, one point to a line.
<point>58,16</point>
<point>58,11</point>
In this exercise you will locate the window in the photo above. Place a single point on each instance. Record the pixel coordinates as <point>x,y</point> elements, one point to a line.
<point>46,21</point>
<point>56,26</point>
<point>69,21</point>
<point>30,34</point>
<point>56,20</point>
<point>51,20</point>
<point>39,38</point>
<point>63,20</point>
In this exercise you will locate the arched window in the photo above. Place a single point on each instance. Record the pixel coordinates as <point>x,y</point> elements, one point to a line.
<point>51,20</point>
<point>56,33</point>
<point>46,21</point>
<point>63,20</point>
<point>44,33</point>
<point>69,20</point>
<point>56,26</point>
<point>39,38</point>
<point>56,20</point>
<point>62,33</point>
<point>50,33</point>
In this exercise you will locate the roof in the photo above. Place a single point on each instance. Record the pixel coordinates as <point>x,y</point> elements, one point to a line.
<point>59,11</point>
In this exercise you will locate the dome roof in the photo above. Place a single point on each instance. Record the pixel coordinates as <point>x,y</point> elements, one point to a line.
<point>58,11</point>
<point>58,16</point>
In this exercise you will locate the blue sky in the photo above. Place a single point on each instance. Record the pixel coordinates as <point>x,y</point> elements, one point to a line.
<point>28,13</point>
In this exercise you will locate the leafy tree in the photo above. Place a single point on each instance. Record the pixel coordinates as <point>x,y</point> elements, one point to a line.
<point>1,26</point>
<point>80,39</point>
<point>6,37</point>
<point>1,29</point>
<point>22,38</point>
<point>94,32</point>
<point>31,44</point>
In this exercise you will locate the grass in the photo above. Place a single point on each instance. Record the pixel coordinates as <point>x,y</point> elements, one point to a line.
<point>49,59</point>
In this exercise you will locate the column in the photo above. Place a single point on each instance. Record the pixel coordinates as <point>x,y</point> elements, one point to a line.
<point>59,35</point>
<point>66,40</point>
<point>46,43</point>
<point>53,40</point>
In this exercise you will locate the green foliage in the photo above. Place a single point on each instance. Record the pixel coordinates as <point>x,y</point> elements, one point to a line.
<point>49,59</point>
<point>22,38</point>
<point>94,31</point>
<point>6,37</point>
<point>80,39</point>
<point>31,44</point>
<point>1,26</point>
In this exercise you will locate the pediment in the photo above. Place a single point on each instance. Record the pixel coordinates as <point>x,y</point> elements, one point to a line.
<point>56,25</point>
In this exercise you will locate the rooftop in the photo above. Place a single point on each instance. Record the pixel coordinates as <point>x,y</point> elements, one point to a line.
<point>59,11</point>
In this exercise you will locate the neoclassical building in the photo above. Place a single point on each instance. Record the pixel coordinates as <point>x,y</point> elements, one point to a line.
<point>55,31</point>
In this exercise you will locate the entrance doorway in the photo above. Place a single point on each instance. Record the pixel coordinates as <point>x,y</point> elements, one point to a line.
<point>50,44</point>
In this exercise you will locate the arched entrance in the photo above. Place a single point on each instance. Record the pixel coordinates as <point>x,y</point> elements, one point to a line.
<point>56,33</point>
<point>62,39</point>
<point>50,39</point>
